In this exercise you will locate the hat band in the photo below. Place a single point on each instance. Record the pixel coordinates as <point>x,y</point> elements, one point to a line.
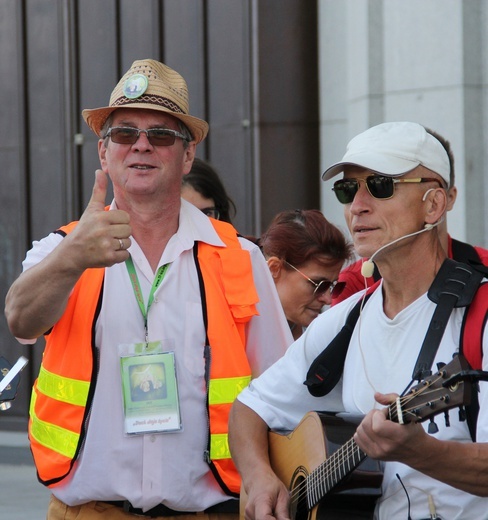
<point>150,99</point>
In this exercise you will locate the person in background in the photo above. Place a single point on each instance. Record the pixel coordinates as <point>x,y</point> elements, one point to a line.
<point>393,187</point>
<point>203,187</point>
<point>294,238</point>
<point>305,254</point>
<point>352,276</point>
<point>155,318</point>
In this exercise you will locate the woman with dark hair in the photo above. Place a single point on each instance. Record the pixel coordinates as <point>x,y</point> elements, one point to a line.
<point>305,254</point>
<point>204,189</point>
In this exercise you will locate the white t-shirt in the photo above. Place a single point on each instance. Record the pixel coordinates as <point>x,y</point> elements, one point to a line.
<point>169,467</point>
<point>381,357</point>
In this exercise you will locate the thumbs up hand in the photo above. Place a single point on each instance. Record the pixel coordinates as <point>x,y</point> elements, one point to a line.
<point>101,238</point>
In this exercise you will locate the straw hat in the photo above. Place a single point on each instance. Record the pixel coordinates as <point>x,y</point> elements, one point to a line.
<point>151,85</point>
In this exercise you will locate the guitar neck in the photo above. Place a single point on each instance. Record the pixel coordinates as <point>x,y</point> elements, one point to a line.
<point>332,471</point>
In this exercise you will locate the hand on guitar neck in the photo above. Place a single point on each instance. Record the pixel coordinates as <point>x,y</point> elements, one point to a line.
<point>379,434</point>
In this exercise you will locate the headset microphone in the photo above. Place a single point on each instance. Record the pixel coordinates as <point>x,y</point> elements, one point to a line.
<point>367,269</point>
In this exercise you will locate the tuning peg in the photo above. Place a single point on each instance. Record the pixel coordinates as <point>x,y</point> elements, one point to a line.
<point>447,419</point>
<point>440,370</point>
<point>433,428</point>
<point>462,413</point>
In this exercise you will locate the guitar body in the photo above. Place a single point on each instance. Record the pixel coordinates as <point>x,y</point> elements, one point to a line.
<point>295,455</point>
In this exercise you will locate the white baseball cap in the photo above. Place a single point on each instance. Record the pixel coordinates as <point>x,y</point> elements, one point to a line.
<point>393,149</point>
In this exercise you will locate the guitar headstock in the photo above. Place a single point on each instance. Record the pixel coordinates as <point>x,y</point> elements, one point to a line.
<point>432,396</point>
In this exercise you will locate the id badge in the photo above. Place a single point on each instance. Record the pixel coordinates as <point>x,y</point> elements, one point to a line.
<point>149,389</point>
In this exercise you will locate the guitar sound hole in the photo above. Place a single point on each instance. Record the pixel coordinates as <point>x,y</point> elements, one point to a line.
<point>298,496</point>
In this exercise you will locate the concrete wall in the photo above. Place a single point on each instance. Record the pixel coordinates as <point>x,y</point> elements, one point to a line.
<point>422,61</point>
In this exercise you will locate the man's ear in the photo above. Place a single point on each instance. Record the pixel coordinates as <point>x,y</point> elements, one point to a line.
<point>451,197</point>
<point>437,203</point>
<point>275,265</point>
<point>189,156</point>
<point>102,153</point>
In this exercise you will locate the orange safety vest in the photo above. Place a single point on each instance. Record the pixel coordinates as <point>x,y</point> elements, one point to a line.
<point>63,391</point>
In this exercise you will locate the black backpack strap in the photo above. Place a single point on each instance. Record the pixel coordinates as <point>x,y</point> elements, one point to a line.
<point>326,370</point>
<point>462,252</point>
<point>471,411</point>
<point>455,285</point>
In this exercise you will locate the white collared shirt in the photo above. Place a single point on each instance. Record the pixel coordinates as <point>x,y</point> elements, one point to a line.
<point>154,468</point>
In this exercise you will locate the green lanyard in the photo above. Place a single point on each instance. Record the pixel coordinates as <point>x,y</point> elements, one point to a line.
<point>137,288</point>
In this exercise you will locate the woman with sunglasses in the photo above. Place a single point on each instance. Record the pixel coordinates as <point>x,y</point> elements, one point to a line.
<point>305,254</point>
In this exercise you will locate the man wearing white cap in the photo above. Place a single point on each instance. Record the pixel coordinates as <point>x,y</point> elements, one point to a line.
<point>454,248</point>
<point>155,318</point>
<point>394,191</point>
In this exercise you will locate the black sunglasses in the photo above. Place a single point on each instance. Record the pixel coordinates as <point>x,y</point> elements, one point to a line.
<point>155,136</point>
<point>378,186</point>
<point>323,286</point>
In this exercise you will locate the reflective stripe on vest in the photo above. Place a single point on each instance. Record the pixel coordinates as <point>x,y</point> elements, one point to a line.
<point>63,388</point>
<point>224,391</point>
<point>51,436</point>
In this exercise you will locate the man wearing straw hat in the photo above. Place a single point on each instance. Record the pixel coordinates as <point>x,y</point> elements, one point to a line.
<point>155,318</point>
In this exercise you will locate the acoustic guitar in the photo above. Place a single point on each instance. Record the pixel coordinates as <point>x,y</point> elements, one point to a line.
<point>323,467</point>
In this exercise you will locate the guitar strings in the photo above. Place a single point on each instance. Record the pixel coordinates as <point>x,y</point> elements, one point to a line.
<point>319,482</point>
<point>425,389</point>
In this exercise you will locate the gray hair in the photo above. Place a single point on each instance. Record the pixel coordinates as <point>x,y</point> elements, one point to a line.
<point>447,147</point>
